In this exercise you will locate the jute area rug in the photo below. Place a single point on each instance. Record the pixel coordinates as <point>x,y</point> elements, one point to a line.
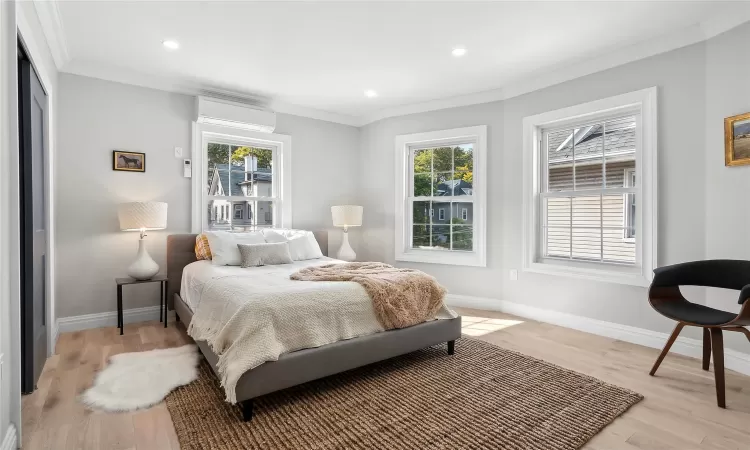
<point>483,397</point>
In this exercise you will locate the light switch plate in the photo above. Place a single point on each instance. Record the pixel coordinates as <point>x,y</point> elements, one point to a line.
<point>178,152</point>
<point>513,274</point>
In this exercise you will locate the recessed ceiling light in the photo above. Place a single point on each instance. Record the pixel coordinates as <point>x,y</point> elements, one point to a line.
<point>370,93</point>
<point>459,51</point>
<point>170,44</point>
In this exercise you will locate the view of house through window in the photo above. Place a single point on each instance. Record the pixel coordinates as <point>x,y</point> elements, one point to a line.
<point>442,181</point>
<point>240,182</point>
<point>588,203</point>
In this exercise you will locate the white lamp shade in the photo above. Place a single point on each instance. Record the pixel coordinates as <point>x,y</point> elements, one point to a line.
<point>347,215</point>
<point>142,215</point>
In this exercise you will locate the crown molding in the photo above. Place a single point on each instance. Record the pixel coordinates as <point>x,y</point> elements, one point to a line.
<point>475,98</point>
<point>312,113</point>
<point>720,23</point>
<point>700,32</point>
<point>559,74</point>
<point>54,32</point>
<point>129,76</point>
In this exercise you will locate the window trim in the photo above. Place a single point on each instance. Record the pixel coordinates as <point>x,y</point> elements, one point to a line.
<point>403,220</point>
<point>627,176</point>
<point>643,102</point>
<point>202,133</point>
<point>441,213</point>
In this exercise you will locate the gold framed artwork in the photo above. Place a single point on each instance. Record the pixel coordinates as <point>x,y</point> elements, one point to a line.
<point>737,140</point>
<point>128,161</point>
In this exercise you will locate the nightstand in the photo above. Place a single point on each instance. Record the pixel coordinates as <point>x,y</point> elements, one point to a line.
<point>162,279</point>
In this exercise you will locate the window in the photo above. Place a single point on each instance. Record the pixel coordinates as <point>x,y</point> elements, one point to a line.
<point>581,165</point>
<point>441,170</point>
<point>238,176</point>
<point>584,191</point>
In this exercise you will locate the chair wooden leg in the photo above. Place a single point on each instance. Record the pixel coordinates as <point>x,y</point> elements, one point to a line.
<point>247,410</point>
<point>717,342</point>
<point>667,346</point>
<point>746,332</point>
<point>706,348</point>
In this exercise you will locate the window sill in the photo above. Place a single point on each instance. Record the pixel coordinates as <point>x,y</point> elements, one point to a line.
<point>473,259</point>
<point>632,276</point>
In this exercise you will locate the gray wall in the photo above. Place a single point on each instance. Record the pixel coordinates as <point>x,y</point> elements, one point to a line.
<point>690,138</point>
<point>727,188</point>
<point>96,117</point>
<point>699,198</point>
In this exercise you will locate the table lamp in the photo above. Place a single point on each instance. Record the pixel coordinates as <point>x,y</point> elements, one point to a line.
<point>346,216</point>
<point>142,216</point>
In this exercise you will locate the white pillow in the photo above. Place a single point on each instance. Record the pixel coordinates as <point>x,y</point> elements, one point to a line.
<point>304,246</point>
<point>302,243</point>
<point>223,244</point>
<point>273,237</point>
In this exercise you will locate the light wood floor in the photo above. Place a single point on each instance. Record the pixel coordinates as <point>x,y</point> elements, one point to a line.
<point>679,411</point>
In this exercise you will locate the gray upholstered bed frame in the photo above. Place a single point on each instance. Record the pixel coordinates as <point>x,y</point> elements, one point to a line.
<point>306,365</point>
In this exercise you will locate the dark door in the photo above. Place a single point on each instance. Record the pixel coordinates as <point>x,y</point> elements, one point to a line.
<point>32,105</point>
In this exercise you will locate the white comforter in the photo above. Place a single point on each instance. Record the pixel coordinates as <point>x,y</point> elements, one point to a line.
<point>251,316</point>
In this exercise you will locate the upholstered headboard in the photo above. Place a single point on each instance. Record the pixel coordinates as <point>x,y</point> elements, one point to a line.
<point>181,252</point>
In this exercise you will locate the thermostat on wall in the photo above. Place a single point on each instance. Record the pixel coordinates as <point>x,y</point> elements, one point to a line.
<point>188,167</point>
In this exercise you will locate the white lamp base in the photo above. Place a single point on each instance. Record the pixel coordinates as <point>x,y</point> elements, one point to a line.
<point>346,252</point>
<point>143,268</point>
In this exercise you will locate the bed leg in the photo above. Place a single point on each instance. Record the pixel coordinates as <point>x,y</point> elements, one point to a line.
<point>247,410</point>
<point>176,317</point>
<point>451,347</point>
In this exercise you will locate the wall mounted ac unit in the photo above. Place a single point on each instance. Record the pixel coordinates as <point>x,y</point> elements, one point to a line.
<point>236,115</point>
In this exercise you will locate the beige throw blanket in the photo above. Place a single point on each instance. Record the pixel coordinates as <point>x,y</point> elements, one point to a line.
<point>400,297</point>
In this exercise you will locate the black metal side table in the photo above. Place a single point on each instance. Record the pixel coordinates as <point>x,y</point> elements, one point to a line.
<point>162,279</point>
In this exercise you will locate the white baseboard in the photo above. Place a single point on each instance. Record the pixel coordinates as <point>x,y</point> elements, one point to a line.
<point>10,441</point>
<point>107,319</point>
<point>734,360</point>
<point>55,335</point>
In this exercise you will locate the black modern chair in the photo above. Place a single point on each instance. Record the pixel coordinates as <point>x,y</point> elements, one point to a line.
<point>665,297</point>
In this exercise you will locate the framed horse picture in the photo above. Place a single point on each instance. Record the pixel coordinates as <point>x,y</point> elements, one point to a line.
<point>128,161</point>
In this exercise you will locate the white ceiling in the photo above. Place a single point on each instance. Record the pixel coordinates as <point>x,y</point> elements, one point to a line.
<point>324,55</point>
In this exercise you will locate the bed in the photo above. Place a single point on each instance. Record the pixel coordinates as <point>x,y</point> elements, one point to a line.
<point>310,364</point>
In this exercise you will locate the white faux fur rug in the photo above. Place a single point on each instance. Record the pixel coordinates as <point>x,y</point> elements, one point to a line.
<point>138,380</point>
